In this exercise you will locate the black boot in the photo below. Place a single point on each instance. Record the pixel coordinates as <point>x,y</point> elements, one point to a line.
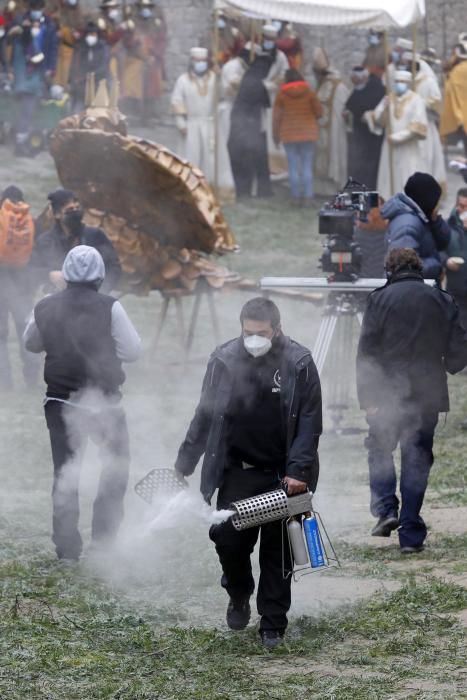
<point>385,525</point>
<point>238,613</point>
<point>270,639</point>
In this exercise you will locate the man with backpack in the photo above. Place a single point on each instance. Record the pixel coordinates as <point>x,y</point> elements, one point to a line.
<point>16,244</point>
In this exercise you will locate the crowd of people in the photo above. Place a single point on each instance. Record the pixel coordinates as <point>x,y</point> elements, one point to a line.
<point>49,47</point>
<point>385,123</point>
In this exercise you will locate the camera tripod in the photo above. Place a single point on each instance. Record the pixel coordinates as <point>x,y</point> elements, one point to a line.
<point>342,311</point>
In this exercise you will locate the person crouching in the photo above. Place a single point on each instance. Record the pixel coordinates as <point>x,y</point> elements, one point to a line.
<point>85,336</point>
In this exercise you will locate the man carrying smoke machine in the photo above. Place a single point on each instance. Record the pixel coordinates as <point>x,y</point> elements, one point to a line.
<point>258,423</point>
<point>86,336</point>
<point>411,336</point>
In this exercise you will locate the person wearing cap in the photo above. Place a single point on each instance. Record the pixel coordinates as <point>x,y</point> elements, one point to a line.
<point>68,231</point>
<point>400,47</point>
<point>193,104</point>
<point>411,337</point>
<point>454,112</point>
<point>364,147</point>
<point>86,336</point>
<point>428,88</point>
<point>331,151</point>
<point>15,287</point>
<point>91,55</point>
<point>414,222</point>
<point>142,59</point>
<point>258,423</point>
<point>34,41</point>
<point>402,118</point>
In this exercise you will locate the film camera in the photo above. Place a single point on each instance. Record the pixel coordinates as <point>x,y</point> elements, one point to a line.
<point>342,257</point>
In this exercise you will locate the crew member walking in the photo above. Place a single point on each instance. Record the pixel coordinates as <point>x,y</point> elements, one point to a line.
<point>258,422</point>
<point>411,336</point>
<point>85,336</point>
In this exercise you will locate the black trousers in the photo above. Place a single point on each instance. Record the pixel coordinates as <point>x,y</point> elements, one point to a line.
<point>69,428</point>
<point>414,431</point>
<point>234,549</point>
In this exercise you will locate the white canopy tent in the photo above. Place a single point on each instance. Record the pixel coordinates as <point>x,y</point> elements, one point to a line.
<point>361,13</point>
<point>381,14</point>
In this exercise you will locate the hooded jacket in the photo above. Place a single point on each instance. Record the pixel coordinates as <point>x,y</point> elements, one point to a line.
<point>300,402</point>
<point>296,113</point>
<point>85,335</point>
<point>409,227</point>
<point>411,336</point>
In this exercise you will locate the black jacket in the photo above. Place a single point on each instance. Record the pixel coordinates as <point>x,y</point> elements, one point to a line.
<point>411,335</point>
<point>300,403</point>
<point>52,246</point>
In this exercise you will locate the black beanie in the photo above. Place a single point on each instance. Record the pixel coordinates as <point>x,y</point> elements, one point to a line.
<point>425,191</point>
<point>59,198</point>
<point>13,193</point>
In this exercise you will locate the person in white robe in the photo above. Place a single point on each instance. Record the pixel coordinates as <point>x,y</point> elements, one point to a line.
<point>428,88</point>
<point>331,148</point>
<point>402,115</point>
<point>193,104</point>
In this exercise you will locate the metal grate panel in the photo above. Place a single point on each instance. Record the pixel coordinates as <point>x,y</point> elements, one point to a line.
<point>159,481</point>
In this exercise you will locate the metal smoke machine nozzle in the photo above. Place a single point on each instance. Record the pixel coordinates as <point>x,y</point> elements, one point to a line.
<point>309,544</point>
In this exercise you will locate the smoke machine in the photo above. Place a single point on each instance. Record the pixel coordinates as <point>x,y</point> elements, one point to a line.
<point>309,544</point>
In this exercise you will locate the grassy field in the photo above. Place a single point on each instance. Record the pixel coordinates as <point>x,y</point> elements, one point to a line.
<point>146,622</point>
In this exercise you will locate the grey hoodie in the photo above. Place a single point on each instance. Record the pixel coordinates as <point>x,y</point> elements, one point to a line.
<point>409,227</point>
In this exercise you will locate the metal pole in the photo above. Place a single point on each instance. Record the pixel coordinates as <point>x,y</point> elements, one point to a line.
<point>388,113</point>
<point>414,57</point>
<point>216,100</point>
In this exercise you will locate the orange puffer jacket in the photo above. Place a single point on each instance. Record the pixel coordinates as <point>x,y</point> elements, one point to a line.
<point>296,113</point>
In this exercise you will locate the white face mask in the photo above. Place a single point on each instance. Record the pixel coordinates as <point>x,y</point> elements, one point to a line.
<point>91,40</point>
<point>200,67</point>
<point>2,33</point>
<point>373,40</point>
<point>115,15</point>
<point>401,88</point>
<point>256,345</point>
<point>463,218</point>
<point>35,31</point>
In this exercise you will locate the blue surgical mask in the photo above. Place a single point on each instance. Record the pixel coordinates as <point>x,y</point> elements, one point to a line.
<point>268,44</point>
<point>200,67</point>
<point>146,13</point>
<point>400,88</point>
<point>373,40</point>
<point>396,57</point>
<point>36,15</point>
<point>221,23</point>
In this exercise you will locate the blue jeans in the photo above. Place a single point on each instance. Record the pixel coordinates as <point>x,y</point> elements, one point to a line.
<point>414,431</point>
<point>300,159</point>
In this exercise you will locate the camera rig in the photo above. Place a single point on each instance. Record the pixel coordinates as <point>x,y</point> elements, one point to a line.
<point>342,257</point>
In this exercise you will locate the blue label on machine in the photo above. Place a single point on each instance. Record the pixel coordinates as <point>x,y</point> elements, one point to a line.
<point>313,541</point>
